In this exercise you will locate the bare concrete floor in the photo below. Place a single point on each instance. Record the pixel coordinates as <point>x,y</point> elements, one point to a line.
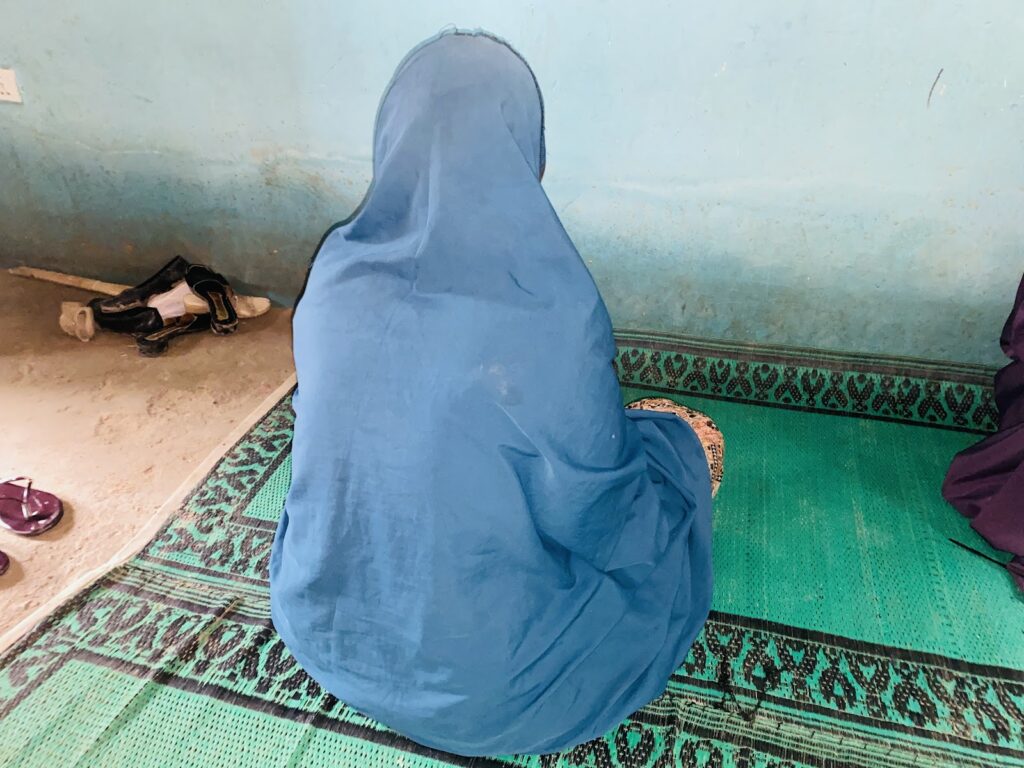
<point>111,433</point>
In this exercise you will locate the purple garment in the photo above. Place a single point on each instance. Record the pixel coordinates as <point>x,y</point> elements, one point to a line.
<point>986,481</point>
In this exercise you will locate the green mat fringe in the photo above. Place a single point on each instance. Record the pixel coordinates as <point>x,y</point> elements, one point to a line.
<point>847,631</point>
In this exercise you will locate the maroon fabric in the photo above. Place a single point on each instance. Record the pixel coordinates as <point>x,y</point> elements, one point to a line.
<point>986,481</point>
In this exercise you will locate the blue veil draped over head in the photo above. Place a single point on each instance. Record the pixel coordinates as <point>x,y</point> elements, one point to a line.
<point>480,548</point>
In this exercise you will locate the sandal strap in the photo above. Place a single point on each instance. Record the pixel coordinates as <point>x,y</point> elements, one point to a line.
<point>28,487</point>
<point>24,496</point>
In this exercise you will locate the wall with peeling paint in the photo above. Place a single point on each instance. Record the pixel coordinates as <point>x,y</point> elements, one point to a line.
<point>770,173</point>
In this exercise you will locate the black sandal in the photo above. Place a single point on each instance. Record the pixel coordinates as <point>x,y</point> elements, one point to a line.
<point>139,319</point>
<point>156,343</point>
<point>214,289</point>
<point>170,274</point>
<point>128,312</point>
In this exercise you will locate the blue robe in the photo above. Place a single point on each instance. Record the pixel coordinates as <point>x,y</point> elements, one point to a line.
<point>480,548</point>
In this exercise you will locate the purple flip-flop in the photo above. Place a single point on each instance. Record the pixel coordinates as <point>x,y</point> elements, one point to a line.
<point>26,511</point>
<point>5,563</point>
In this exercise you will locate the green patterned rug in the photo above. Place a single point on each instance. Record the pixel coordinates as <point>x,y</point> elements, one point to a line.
<point>847,630</point>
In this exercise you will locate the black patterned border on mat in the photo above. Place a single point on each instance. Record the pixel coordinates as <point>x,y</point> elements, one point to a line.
<point>945,395</point>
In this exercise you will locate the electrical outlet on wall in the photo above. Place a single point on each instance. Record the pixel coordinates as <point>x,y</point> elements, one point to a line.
<point>9,86</point>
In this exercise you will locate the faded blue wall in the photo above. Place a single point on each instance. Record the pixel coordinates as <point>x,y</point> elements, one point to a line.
<point>767,172</point>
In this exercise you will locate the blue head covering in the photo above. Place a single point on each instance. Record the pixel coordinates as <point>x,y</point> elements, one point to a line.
<point>481,548</point>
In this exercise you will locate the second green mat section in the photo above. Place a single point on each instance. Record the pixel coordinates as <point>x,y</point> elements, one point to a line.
<point>838,524</point>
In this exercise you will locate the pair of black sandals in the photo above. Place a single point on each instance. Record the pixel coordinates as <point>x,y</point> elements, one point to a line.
<point>129,311</point>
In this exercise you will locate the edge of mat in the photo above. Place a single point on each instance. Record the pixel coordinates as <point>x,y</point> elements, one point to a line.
<point>145,534</point>
<point>871,362</point>
<point>905,390</point>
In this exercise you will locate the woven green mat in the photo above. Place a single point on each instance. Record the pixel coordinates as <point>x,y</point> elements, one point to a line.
<point>847,631</point>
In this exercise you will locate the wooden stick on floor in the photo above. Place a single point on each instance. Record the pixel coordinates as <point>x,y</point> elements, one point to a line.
<point>74,281</point>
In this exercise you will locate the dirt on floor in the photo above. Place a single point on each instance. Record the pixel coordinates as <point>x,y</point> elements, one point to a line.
<point>113,434</point>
